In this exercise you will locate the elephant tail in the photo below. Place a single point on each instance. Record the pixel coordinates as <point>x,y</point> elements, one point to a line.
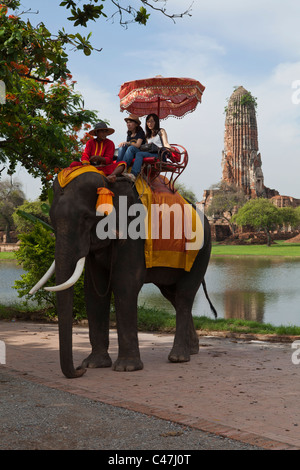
<point>209,301</point>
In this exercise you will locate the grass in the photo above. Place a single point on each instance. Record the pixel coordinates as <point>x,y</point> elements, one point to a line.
<point>279,248</point>
<point>291,250</point>
<point>4,255</point>
<point>154,320</point>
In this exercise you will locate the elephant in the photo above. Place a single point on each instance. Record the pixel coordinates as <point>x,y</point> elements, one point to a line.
<point>115,266</point>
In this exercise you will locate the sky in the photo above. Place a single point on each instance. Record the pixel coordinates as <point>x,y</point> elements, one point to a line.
<point>254,43</point>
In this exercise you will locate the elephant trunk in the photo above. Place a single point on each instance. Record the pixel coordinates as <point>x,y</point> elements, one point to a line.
<point>65,326</point>
<point>64,269</point>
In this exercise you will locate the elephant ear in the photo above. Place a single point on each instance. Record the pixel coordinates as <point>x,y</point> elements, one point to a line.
<point>104,204</point>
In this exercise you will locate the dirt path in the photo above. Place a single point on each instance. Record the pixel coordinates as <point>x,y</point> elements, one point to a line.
<point>234,393</point>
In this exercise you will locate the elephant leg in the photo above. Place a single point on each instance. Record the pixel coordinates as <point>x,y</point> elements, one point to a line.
<point>169,292</point>
<point>98,309</point>
<point>185,341</point>
<point>126,312</point>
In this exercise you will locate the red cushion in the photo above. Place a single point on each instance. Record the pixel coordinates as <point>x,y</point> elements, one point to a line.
<point>150,160</point>
<point>175,157</point>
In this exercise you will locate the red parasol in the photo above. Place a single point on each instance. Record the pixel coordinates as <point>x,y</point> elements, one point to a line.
<point>160,95</point>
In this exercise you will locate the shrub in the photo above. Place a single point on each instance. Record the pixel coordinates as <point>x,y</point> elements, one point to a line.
<point>36,254</point>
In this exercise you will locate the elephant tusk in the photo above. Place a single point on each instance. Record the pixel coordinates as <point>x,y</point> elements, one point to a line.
<point>44,279</point>
<point>70,282</point>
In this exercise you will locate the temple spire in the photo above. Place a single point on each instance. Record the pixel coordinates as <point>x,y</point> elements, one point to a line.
<point>241,162</point>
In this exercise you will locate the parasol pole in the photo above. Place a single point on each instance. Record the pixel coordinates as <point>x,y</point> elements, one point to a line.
<point>158,107</point>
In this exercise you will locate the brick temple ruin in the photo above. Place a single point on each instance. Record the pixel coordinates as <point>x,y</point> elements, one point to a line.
<point>241,159</point>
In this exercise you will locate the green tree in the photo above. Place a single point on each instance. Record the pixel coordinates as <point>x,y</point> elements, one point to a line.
<point>226,200</point>
<point>25,224</point>
<point>297,210</point>
<point>42,115</point>
<point>11,196</point>
<point>260,214</point>
<point>186,192</point>
<point>290,216</point>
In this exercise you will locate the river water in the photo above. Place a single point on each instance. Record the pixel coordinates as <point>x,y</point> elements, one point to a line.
<point>261,289</point>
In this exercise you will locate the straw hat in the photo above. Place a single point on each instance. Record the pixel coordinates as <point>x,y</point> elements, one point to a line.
<point>102,126</point>
<point>133,117</point>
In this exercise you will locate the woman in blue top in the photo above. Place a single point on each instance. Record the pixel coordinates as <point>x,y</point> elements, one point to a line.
<point>155,135</point>
<point>135,138</point>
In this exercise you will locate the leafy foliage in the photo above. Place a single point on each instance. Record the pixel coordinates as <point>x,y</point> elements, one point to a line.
<point>259,213</point>
<point>290,216</point>
<point>30,213</point>
<point>227,198</point>
<point>248,100</point>
<point>186,193</point>
<point>36,254</point>
<point>42,116</point>
<point>81,17</point>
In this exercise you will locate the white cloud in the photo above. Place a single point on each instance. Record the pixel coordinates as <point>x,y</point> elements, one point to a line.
<point>279,130</point>
<point>261,24</point>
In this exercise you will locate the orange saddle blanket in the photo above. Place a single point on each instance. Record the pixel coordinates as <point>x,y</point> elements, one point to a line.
<point>174,230</point>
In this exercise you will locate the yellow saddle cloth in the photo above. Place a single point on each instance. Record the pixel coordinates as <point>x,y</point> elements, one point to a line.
<point>174,230</point>
<point>68,174</point>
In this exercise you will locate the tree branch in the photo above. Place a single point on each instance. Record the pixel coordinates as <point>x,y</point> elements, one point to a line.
<point>163,10</point>
<point>139,16</point>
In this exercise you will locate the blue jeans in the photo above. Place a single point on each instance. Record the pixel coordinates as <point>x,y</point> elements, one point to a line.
<point>139,158</point>
<point>127,154</point>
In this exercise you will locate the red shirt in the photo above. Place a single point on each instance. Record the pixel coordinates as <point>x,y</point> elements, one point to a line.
<point>105,148</point>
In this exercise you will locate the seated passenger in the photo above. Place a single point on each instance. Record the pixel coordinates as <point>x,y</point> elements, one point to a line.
<point>155,135</point>
<point>100,152</point>
<point>135,138</point>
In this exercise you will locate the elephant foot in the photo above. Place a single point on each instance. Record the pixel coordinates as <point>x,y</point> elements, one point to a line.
<point>127,365</point>
<point>178,356</point>
<point>194,349</point>
<point>95,360</point>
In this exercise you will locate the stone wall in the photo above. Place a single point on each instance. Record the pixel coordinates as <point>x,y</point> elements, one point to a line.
<point>219,232</point>
<point>9,246</point>
<point>12,235</point>
<point>285,201</point>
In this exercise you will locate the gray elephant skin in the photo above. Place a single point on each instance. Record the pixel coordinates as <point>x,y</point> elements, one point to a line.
<point>115,266</point>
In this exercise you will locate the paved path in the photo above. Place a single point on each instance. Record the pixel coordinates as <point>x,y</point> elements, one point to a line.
<point>244,391</point>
